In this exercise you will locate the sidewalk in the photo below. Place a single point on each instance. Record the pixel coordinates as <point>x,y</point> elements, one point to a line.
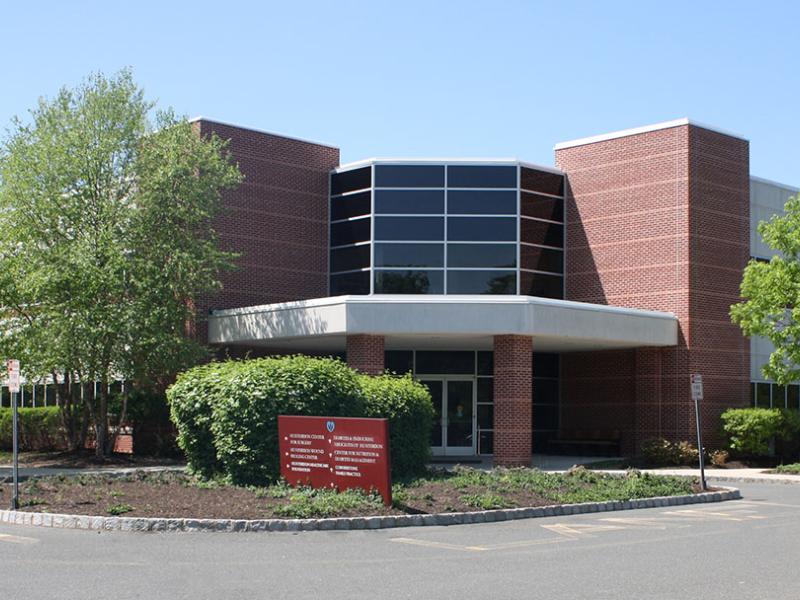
<point>751,475</point>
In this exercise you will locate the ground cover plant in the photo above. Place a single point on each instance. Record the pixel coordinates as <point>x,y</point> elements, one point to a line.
<point>177,494</point>
<point>792,469</point>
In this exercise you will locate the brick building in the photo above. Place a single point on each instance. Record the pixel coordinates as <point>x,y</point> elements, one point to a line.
<point>546,309</point>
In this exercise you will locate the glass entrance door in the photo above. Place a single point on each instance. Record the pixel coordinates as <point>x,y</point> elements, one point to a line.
<point>454,419</point>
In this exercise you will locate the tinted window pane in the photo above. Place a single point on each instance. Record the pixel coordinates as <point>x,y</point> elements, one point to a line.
<point>482,177</point>
<point>485,387</point>
<point>541,259</point>
<point>486,442</point>
<point>350,283</point>
<point>544,365</point>
<point>409,228</point>
<point>485,364</point>
<point>542,232</point>
<point>762,395</point>
<point>545,417</point>
<point>350,258</point>
<point>485,416</point>
<point>545,391</point>
<point>353,205</point>
<point>349,181</point>
<point>541,207</point>
<point>409,255</point>
<point>481,282</point>
<point>350,232</point>
<point>482,229</point>
<point>544,286</point>
<point>778,396</point>
<point>409,201</point>
<point>481,202</point>
<point>793,397</point>
<point>409,176</point>
<point>399,361</point>
<point>409,282</point>
<point>446,363</point>
<point>495,256</point>
<point>542,181</point>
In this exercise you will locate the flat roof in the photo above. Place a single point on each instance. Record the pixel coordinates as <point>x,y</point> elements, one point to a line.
<point>644,129</point>
<point>463,160</point>
<point>257,130</point>
<point>445,322</point>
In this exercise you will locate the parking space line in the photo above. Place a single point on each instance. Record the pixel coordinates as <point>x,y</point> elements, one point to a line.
<point>17,539</point>
<point>432,544</point>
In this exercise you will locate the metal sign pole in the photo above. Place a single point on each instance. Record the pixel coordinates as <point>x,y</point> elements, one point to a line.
<point>15,451</point>
<point>703,485</point>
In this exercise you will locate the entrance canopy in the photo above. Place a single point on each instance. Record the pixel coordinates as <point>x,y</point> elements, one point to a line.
<point>440,322</point>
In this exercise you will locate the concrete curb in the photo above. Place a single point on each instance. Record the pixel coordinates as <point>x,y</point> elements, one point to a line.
<point>350,523</point>
<point>771,480</point>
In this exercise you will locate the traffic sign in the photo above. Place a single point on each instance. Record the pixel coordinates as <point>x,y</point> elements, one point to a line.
<point>697,386</point>
<point>13,375</point>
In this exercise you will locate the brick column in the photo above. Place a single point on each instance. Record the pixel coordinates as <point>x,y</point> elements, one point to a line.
<point>365,353</point>
<point>513,381</point>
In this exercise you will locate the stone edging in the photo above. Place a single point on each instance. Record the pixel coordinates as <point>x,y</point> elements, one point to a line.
<point>348,523</point>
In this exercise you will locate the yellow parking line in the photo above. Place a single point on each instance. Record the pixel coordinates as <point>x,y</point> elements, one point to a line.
<point>443,545</point>
<point>16,539</point>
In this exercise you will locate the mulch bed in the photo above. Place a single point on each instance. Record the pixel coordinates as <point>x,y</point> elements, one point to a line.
<point>176,495</point>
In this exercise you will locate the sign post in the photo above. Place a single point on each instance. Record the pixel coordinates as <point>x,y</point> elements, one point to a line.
<point>696,382</point>
<point>13,387</point>
<point>336,452</point>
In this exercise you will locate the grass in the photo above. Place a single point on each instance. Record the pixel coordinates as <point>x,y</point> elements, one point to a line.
<point>792,469</point>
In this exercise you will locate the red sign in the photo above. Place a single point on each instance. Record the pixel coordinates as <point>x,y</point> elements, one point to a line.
<point>336,452</point>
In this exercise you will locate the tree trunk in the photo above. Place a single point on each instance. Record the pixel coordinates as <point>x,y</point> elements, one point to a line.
<point>101,421</point>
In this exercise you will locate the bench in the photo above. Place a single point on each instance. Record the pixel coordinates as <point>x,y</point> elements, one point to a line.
<point>586,442</point>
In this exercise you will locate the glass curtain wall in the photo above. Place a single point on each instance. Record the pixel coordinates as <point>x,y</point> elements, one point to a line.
<point>447,229</point>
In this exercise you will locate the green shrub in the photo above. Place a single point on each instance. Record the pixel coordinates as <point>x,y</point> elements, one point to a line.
<point>751,430</point>
<point>190,399</point>
<point>39,429</point>
<point>227,413</point>
<point>407,404</point>
<point>661,452</point>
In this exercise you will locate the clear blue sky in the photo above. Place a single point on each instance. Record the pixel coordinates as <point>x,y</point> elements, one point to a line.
<point>432,78</point>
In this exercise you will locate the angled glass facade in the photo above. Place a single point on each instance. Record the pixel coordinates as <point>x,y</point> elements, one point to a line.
<point>407,227</point>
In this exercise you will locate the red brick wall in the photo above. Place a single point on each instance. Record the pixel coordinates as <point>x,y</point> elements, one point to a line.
<point>365,353</point>
<point>277,219</point>
<point>513,376</point>
<point>658,221</point>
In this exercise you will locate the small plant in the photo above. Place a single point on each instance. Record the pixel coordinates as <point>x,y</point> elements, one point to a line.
<point>116,494</point>
<point>719,457</point>
<point>661,452</point>
<point>486,501</point>
<point>32,502</point>
<point>119,509</point>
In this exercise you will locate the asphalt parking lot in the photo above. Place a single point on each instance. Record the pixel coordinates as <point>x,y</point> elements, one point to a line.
<point>742,549</point>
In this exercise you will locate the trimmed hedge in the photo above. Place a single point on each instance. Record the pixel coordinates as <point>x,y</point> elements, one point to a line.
<point>39,429</point>
<point>407,404</point>
<point>226,413</point>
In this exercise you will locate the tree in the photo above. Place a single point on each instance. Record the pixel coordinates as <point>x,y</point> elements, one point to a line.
<point>106,238</point>
<point>771,292</point>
